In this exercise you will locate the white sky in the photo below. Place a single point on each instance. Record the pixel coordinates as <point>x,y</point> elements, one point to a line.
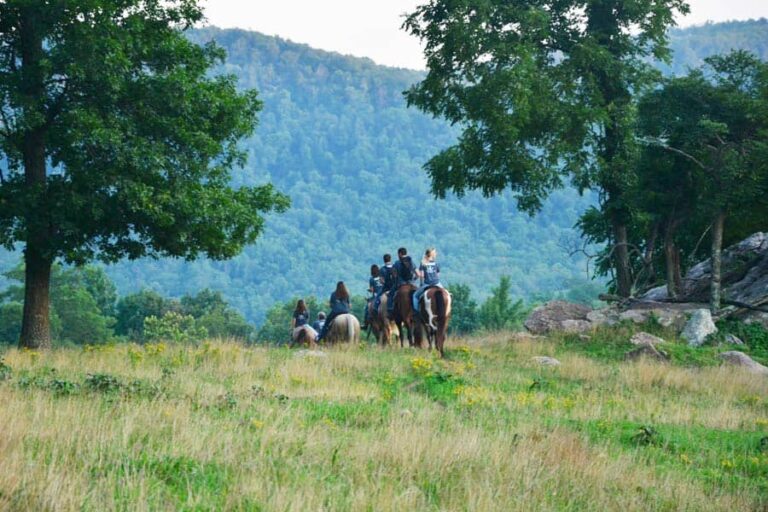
<point>371,28</point>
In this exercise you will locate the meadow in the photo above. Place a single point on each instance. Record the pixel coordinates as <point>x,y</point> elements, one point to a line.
<point>223,426</point>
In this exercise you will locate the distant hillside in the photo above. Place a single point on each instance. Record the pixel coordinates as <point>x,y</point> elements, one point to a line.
<point>335,135</point>
<point>692,45</point>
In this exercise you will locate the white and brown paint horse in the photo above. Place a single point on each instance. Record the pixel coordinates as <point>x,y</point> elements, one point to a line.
<point>304,336</point>
<point>434,315</point>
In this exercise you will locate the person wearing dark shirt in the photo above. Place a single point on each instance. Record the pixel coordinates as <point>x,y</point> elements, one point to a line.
<point>374,288</point>
<point>405,270</point>
<point>387,277</point>
<point>404,273</point>
<point>300,315</point>
<point>339,303</point>
<point>429,274</point>
<point>318,324</point>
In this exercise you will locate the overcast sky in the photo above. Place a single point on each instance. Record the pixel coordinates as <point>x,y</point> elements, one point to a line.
<point>371,28</point>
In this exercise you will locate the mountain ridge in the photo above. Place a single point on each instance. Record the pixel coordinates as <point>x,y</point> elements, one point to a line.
<point>336,135</point>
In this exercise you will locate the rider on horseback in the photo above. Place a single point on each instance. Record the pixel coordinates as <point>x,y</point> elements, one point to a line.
<point>339,306</point>
<point>318,324</point>
<point>300,315</point>
<point>375,286</point>
<point>387,276</point>
<point>405,273</point>
<point>429,274</point>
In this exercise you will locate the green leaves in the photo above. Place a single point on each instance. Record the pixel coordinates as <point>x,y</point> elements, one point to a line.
<point>535,85</point>
<point>141,139</point>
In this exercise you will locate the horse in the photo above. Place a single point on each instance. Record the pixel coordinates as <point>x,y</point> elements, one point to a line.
<point>345,328</point>
<point>404,315</point>
<point>380,323</point>
<point>434,315</point>
<point>304,336</point>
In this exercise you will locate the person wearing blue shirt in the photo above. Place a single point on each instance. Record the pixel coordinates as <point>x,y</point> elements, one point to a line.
<point>429,274</point>
<point>374,287</point>
<point>318,324</point>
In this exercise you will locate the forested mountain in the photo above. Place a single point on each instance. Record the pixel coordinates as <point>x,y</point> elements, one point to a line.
<point>335,135</point>
<point>692,45</point>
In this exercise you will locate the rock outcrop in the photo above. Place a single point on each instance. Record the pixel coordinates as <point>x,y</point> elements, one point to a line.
<point>745,281</point>
<point>558,316</point>
<point>744,278</point>
<point>736,358</point>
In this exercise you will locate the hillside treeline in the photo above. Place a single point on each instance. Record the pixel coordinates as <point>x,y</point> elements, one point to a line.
<point>335,134</point>
<point>86,309</point>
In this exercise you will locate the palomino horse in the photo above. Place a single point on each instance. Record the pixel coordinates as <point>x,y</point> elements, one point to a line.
<point>404,315</point>
<point>380,323</point>
<point>303,336</point>
<point>344,329</point>
<point>434,315</point>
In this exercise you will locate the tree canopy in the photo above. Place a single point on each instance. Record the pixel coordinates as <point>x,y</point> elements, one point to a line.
<point>117,140</point>
<point>541,88</point>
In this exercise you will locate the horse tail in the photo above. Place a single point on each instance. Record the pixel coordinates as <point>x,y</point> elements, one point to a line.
<point>442,304</point>
<point>350,330</point>
<point>441,310</point>
<point>301,336</point>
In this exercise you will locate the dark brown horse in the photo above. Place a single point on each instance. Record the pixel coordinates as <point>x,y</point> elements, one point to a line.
<point>403,315</point>
<point>434,315</point>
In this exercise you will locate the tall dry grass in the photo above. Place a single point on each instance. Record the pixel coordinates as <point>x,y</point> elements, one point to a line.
<point>225,427</point>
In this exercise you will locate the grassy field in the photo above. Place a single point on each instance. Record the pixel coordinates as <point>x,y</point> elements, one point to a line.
<point>227,427</point>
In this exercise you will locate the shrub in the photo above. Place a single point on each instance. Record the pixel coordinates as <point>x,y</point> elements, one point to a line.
<point>173,327</point>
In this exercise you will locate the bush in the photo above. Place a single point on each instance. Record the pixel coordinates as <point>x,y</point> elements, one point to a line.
<point>173,327</point>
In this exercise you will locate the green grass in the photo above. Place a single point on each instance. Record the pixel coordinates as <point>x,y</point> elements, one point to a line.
<point>226,427</point>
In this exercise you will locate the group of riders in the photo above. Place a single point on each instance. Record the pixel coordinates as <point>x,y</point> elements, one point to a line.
<point>383,280</point>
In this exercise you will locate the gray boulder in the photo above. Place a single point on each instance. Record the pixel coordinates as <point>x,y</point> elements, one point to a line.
<point>546,361</point>
<point>310,353</point>
<point>668,315</point>
<point>646,351</point>
<point>733,339</point>
<point>643,338</point>
<point>736,358</point>
<point>558,316</point>
<point>699,327</point>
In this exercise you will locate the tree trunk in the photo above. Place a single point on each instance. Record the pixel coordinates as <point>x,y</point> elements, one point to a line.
<point>650,249</point>
<point>35,327</point>
<point>621,260</point>
<point>717,249</point>
<point>678,275</point>
<point>36,324</point>
<point>672,260</point>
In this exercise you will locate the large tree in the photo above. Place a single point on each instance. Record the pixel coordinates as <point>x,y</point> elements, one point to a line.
<point>116,141</point>
<point>713,123</point>
<point>540,87</point>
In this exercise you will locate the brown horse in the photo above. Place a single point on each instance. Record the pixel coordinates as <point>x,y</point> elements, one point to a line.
<point>304,336</point>
<point>345,328</point>
<point>434,315</point>
<point>404,317</point>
